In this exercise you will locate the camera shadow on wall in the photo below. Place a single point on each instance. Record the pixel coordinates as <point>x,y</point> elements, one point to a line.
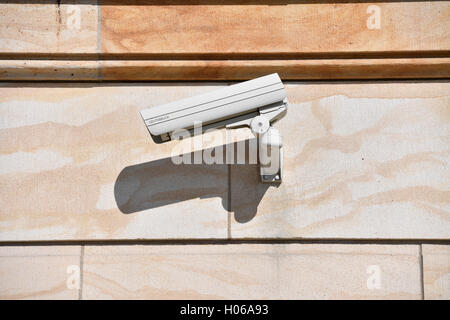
<point>162,182</point>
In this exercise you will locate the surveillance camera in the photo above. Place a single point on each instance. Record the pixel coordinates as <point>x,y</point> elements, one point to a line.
<point>255,103</point>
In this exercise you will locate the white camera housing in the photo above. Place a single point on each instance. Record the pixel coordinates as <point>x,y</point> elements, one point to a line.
<point>255,103</point>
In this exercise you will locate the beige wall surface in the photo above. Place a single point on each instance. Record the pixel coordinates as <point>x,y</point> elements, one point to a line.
<point>362,161</point>
<point>261,27</point>
<point>223,40</point>
<point>234,271</point>
<point>39,272</point>
<point>92,208</point>
<point>252,271</point>
<point>436,268</point>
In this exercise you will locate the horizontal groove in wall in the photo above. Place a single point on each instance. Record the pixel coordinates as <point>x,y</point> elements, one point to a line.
<point>180,70</point>
<point>227,241</point>
<point>226,55</point>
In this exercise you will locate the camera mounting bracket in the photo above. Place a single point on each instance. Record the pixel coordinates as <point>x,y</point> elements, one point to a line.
<point>270,143</point>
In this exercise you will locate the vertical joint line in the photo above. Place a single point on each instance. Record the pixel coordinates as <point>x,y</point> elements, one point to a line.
<point>80,291</point>
<point>99,40</point>
<point>422,285</point>
<point>229,203</point>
